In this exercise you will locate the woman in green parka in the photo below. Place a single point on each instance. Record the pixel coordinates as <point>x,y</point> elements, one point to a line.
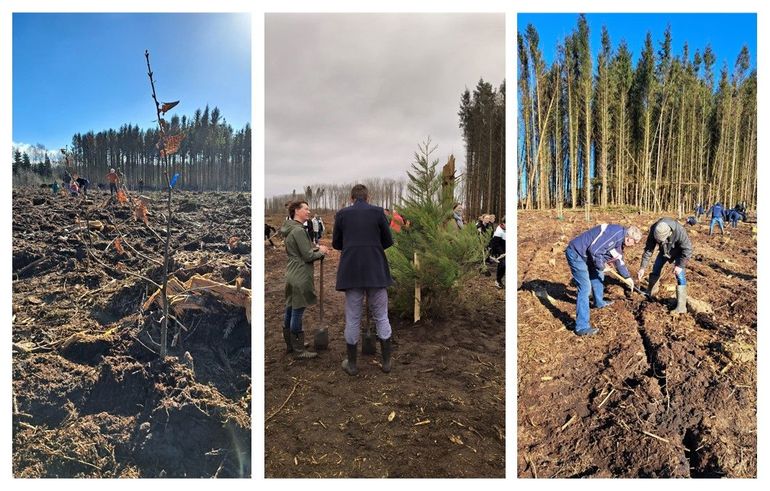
<point>300,291</point>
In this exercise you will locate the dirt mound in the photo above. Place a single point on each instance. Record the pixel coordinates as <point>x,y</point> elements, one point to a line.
<point>91,396</point>
<point>439,413</point>
<point>652,395</point>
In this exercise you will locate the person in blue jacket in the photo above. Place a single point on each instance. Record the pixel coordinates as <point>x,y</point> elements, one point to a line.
<point>733,216</point>
<point>717,212</point>
<point>362,233</point>
<point>698,211</point>
<point>587,255</point>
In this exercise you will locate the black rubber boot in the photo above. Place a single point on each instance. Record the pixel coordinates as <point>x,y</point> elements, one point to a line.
<point>298,344</point>
<point>386,350</point>
<point>287,339</point>
<point>349,364</point>
<point>652,285</point>
<point>681,300</point>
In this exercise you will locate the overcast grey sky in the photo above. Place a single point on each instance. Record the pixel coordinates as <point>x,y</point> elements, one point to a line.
<point>349,96</point>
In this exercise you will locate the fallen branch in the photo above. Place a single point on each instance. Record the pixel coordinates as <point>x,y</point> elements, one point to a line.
<point>569,422</point>
<point>605,399</point>
<point>656,436</point>
<point>284,403</point>
<point>130,273</point>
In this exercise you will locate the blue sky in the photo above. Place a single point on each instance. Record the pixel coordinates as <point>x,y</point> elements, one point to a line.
<point>79,72</point>
<point>726,33</point>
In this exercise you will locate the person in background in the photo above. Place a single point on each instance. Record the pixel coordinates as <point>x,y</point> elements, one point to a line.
<point>83,183</point>
<point>497,252</point>
<point>269,231</point>
<point>74,188</point>
<point>717,213</point>
<point>456,220</point>
<point>396,221</point>
<point>112,178</point>
<point>320,229</point>
<point>314,229</point>
<point>740,207</point>
<point>698,211</point>
<point>484,223</point>
<point>733,216</point>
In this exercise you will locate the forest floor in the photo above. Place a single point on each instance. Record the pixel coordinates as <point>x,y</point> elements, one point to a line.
<point>440,412</point>
<point>91,397</point>
<point>651,395</point>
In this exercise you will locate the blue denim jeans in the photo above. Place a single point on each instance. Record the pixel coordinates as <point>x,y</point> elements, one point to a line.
<point>586,278</point>
<point>658,267</point>
<point>293,319</point>
<point>719,222</point>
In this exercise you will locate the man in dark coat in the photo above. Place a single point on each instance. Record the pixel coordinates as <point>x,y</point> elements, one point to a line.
<point>675,247</point>
<point>362,233</point>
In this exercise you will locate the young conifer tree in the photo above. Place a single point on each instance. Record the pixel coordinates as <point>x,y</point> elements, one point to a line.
<point>446,255</point>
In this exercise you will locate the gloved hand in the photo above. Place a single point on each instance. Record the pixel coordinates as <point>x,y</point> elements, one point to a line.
<point>607,269</point>
<point>677,270</point>
<point>640,274</point>
<point>629,281</point>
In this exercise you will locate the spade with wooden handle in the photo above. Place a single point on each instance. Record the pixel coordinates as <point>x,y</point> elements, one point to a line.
<point>321,338</point>
<point>617,275</point>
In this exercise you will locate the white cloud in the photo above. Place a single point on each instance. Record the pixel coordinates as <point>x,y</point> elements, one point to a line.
<point>35,152</point>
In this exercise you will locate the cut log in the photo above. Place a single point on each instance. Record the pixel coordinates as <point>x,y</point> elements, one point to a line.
<point>190,295</point>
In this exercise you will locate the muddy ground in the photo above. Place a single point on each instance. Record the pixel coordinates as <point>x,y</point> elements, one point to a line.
<point>446,390</point>
<point>91,397</point>
<point>651,395</point>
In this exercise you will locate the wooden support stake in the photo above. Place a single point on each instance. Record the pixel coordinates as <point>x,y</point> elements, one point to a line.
<point>417,298</point>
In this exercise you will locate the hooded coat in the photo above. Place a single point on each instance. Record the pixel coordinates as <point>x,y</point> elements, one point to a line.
<point>300,291</point>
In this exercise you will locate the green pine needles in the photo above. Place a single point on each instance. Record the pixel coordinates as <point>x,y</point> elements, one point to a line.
<point>446,255</point>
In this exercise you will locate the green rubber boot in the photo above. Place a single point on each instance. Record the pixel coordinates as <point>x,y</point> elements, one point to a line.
<point>298,345</point>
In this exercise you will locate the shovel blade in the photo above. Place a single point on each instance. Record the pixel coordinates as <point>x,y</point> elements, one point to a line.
<point>321,339</point>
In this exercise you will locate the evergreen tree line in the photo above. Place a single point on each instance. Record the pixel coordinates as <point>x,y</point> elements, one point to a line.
<point>660,135</point>
<point>212,155</point>
<point>382,192</point>
<point>482,120</point>
<point>25,170</point>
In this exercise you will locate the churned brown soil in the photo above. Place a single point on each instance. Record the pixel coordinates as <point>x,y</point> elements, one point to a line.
<point>652,395</point>
<point>91,397</point>
<point>439,413</point>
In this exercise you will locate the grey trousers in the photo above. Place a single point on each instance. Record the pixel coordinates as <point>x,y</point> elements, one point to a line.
<point>354,311</point>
